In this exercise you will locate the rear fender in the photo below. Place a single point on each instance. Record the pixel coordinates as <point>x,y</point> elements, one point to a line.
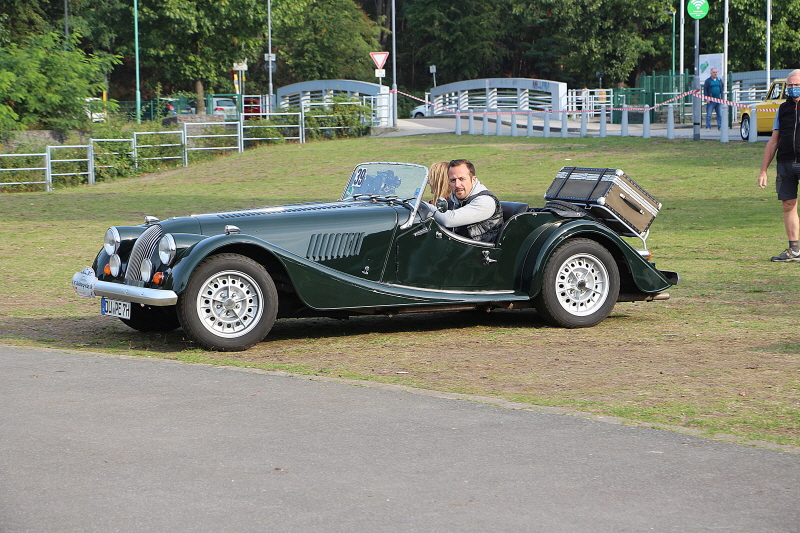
<point>644,275</point>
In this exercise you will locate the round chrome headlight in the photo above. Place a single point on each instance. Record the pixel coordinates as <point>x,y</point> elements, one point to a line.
<point>146,270</point>
<point>111,241</point>
<point>114,263</point>
<point>166,249</point>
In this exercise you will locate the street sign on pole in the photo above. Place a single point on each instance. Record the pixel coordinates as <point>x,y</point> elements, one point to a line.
<point>379,58</point>
<point>697,9</point>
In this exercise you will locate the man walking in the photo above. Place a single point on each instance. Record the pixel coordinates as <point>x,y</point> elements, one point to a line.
<point>785,141</point>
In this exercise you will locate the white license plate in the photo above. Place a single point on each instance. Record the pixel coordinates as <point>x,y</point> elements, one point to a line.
<point>115,308</point>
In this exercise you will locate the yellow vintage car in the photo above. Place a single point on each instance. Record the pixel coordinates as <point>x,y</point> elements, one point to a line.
<point>765,119</point>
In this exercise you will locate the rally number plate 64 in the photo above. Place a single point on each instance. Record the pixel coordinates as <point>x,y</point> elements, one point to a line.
<point>115,308</point>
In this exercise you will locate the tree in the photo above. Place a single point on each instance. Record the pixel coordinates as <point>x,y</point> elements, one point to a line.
<point>197,41</point>
<point>41,83</point>
<point>463,39</point>
<point>580,37</point>
<point>747,34</point>
<point>324,39</point>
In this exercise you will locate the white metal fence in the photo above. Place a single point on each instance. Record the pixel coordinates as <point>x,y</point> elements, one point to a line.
<point>173,145</point>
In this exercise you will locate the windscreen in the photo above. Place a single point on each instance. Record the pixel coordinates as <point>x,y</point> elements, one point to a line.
<point>403,180</point>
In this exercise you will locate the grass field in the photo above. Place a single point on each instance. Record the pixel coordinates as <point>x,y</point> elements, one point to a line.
<point>721,356</point>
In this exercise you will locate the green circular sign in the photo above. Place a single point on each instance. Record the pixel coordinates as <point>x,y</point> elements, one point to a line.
<point>697,9</point>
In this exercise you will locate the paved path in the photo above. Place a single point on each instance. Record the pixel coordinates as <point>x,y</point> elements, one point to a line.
<point>93,443</point>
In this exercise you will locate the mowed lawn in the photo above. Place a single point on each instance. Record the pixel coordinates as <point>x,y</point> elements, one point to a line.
<point>721,356</point>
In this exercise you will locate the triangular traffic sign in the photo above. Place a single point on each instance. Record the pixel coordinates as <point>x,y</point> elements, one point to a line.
<point>379,58</point>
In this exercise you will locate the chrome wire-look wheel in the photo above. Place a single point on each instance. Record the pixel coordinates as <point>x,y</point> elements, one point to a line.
<point>582,284</point>
<point>230,303</point>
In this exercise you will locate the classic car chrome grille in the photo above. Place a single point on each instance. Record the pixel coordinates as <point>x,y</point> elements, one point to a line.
<point>325,246</point>
<point>143,249</point>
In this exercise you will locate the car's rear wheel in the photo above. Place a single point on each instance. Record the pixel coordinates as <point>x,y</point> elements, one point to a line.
<point>580,285</point>
<point>152,318</point>
<point>744,127</point>
<point>229,304</point>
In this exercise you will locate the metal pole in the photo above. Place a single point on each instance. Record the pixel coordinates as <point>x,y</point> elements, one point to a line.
<point>696,83</point>
<point>394,66</point>
<point>673,50</point>
<point>769,24</point>
<point>66,24</point>
<point>725,48</point>
<point>683,12</point>
<point>269,38</point>
<point>136,44</point>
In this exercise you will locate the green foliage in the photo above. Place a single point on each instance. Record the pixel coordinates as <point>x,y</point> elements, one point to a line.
<point>41,84</point>
<point>324,39</point>
<point>343,118</point>
<point>190,41</point>
<point>748,33</point>
<point>462,39</point>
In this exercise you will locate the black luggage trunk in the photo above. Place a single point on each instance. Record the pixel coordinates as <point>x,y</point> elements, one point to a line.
<point>608,194</point>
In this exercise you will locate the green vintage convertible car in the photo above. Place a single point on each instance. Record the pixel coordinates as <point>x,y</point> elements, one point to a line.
<point>225,277</point>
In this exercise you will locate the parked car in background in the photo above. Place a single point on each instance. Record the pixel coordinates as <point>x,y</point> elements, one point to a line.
<point>225,107</point>
<point>764,119</point>
<point>225,277</point>
<point>252,108</point>
<point>178,106</point>
<point>420,111</point>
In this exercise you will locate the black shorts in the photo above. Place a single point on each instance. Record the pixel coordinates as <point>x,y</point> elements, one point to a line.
<point>786,182</point>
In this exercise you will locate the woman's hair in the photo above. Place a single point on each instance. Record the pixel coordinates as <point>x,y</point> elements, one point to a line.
<point>438,180</point>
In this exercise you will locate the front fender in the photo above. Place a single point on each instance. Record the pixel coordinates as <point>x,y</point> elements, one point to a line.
<point>645,276</point>
<point>182,271</point>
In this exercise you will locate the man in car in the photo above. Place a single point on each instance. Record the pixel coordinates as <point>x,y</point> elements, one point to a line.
<point>786,143</point>
<point>473,211</point>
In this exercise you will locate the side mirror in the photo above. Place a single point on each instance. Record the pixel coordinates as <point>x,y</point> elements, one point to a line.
<point>441,205</point>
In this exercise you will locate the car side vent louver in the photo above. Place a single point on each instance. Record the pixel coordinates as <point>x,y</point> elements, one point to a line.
<point>324,246</point>
<point>143,249</point>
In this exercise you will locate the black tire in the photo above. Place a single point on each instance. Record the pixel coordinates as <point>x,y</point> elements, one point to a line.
<point>562,205</point>
<point>149,318</point>
<point>580,285</point>
<point>419,115</point>
<point>744,127</point>
<point>229,304</point>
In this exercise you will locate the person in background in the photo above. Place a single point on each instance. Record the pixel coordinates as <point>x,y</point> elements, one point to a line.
<point>715,88</point>
<point>786,144</point>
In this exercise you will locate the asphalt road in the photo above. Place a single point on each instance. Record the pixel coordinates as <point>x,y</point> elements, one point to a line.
<point>102,443</point>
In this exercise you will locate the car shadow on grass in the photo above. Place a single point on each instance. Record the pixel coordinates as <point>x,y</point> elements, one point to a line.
<point>100,333</point>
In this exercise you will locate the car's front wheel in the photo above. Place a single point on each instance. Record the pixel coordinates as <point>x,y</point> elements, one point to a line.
<point>580,285</point>
<point>744,127</point>
<point>229,304</point>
